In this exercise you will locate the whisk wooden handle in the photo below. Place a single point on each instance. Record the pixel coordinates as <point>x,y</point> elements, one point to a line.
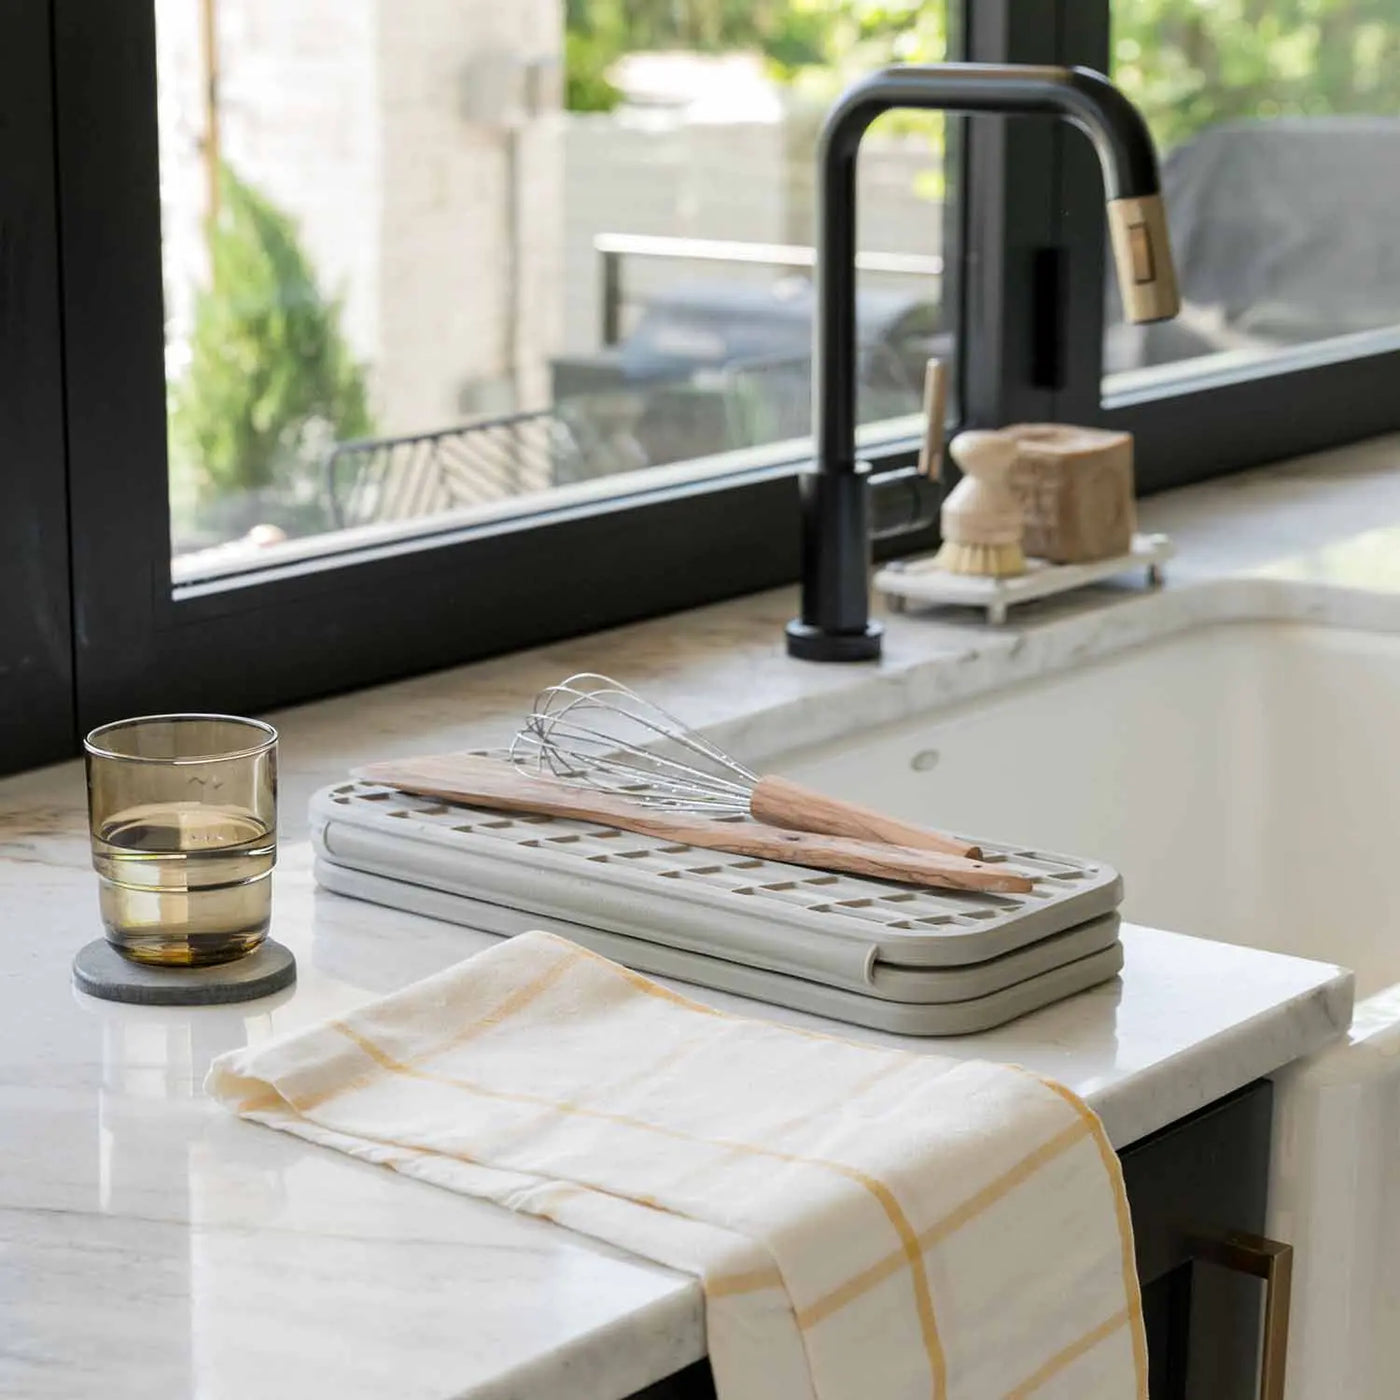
<point>487,782</point>
<point>781,802</point>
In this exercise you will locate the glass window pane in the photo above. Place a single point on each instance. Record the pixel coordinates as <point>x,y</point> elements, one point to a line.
<point>1279,126</point>
<point>432,262</point>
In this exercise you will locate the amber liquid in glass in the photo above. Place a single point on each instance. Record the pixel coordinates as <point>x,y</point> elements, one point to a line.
<point>185,883</point>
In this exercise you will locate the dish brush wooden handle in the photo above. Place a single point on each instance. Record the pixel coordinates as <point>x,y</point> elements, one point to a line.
<point>781,802</point>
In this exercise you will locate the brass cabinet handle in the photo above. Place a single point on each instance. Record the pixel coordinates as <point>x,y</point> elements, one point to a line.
<point>1271,1261</point>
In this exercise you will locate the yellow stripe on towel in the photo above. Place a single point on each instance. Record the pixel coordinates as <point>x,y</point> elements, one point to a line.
<point>1068,1356</point>
<point>550,1080</point>
<point>910,1251</point>
<point>972,1207</point>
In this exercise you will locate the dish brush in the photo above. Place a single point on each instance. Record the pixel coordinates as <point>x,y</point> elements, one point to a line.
<point>982,518</point>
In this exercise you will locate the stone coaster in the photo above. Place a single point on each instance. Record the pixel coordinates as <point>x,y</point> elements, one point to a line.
<point>101,971</point>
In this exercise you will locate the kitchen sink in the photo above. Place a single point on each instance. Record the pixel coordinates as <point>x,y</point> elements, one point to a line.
<point>1240,775</point>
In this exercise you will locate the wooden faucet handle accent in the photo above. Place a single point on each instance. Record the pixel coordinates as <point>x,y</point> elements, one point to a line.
<point>781,802</point>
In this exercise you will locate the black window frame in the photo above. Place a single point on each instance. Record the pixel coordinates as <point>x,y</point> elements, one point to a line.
<point>84,415</point>
<point>36,667</point>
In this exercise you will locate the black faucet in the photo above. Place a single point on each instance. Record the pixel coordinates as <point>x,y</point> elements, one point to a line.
<point>835,624</point>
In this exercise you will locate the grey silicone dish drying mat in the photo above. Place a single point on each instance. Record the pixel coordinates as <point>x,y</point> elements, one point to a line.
<point>1053,981</point>
<point>865,936</point>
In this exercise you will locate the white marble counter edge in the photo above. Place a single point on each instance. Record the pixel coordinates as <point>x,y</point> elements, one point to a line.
<point>1213,1068</point>
<point>993,660</point>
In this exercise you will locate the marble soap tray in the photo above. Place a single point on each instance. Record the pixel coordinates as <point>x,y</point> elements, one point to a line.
<point>924,962</point>
<point>906,581</point>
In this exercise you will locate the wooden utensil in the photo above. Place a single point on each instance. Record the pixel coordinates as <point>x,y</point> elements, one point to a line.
<point>596,733</point>
<point>935,411</point>
<point>488,782</point>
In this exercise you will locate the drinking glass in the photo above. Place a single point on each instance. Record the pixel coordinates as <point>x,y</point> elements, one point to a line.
<point>183,815</point>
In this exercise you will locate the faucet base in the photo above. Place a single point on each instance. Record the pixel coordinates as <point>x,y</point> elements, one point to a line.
<point>809,643</point>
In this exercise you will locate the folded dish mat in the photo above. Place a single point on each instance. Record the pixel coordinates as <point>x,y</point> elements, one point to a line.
<point>866,1222</point>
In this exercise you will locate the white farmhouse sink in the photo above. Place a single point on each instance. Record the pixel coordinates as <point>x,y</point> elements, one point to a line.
<point>1245,779</point>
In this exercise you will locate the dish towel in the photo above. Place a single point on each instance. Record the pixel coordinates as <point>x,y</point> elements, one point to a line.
<point>867,1223</point>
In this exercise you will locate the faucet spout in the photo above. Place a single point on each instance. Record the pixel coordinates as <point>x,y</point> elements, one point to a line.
<point>835,623</point>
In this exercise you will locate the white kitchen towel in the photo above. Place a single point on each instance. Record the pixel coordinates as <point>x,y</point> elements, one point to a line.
<point>867,1223</point>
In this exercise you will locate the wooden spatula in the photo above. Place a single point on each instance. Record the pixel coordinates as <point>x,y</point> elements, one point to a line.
<point>489,782</point>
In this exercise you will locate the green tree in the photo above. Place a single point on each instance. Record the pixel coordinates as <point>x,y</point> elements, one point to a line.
<point>1187,63</point>
<point>815,42</point>
<point>1191,63</point>
<point>271,380</point>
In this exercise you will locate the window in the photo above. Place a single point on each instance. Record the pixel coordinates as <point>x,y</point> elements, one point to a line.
<point>1290,338</point>
<point>344,339</point>
<point>424,268</point>
<point>1279,128</point>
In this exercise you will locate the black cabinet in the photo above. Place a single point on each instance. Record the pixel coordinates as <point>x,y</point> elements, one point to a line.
<point>1197,1189</point>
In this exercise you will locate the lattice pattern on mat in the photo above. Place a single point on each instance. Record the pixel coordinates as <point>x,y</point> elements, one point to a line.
<point>870,902</point>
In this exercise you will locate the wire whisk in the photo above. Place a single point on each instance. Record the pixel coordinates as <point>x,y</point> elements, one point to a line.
<point>598,733</point>
<point>592,729</point>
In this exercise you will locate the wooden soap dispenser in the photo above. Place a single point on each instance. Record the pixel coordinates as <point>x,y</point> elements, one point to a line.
<point>983,518</point>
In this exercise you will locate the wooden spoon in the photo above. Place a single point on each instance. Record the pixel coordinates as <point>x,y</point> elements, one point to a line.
<point>489,782</point>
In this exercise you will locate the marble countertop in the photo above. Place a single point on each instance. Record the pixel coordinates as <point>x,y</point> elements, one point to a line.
<point>152,1246</point>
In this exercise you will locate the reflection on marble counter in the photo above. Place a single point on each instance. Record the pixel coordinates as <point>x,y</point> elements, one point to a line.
<point>151,1246</point>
